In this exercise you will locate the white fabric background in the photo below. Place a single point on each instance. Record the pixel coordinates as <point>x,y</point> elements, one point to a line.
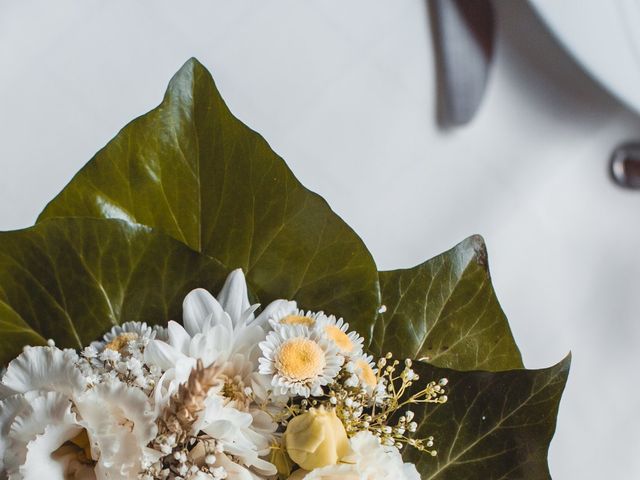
<point>344,90</point>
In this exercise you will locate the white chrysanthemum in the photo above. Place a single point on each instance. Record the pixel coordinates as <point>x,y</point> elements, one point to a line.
<point>43,368</point>
<point>225,333</point>
<point>120,423</point>
<point>299,360</point>
<point>128,331</point>
<point>38,430</point>
<point>201,310</point>
<point>349,343</point>
<point>369,461</point>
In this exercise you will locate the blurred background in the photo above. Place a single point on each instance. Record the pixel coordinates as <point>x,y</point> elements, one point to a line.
<point>347,92</point>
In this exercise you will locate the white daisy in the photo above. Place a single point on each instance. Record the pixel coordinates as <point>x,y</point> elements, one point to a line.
<point>299,360</point>
<point>295,317</point>
<point>120,335</point>
<point>120,423</point>
<point>364,369</point>
<point>349,343</point>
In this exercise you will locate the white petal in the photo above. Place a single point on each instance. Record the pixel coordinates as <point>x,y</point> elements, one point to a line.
<point>161,354</point>
<point>10,408</point>
<point>178,337</point>
<point>234,471</point>
<point>282,308</point>
<point>38,431</point>
<point>197,306</point>
<point>5,391</point>
<point>234,296</point>
<point>170,381</point>
<point>120,423</point>
<point>44,368</point>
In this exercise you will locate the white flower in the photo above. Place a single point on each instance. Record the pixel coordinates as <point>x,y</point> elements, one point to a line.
<point>128,331</point>
<point>201,310</point>
<point>120,423</point>
<point>365,371</point>
<point>230,470</point>
<point>349,343</point>
<point>378,462</point>
<point>295,317</point>
<point>238,434</point>
<point>369,460</point>
<point>35,416</point>
<point>332,472</point>
<point>225,333</point>
<point>43,368</point>
<point>299,360</point>
<point>38,429</point>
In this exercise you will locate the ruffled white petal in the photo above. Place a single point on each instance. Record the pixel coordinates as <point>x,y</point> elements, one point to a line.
<point>10,408</point>
<point>120,423</point>
<point>44,368</point>
<point>41,427</point>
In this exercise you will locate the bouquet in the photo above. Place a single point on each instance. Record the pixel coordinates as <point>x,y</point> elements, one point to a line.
<point>293,357</point>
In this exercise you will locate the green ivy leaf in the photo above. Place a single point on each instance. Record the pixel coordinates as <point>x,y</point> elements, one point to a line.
<point>446,311</point>
<point>194,171</point>
<point>73,279</point>
<point>493,426</point>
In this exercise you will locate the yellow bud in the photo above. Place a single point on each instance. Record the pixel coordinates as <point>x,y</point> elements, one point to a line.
<point>281,460</point>
<point>316,439</point>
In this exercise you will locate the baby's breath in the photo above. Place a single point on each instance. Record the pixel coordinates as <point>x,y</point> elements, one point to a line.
<point>386,412</point>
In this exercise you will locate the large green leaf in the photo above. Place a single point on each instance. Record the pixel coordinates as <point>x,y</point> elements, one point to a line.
<point>73,279</point>
<point>193,170</point>
<point>446,311</point>
<point>494,425</point>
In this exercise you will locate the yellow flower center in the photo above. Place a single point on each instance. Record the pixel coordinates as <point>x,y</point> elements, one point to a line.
<point>298,320</point>
<point>340,338</point>
<point>366,373</point>
<point>300,359</point>
<point>121,341</point>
